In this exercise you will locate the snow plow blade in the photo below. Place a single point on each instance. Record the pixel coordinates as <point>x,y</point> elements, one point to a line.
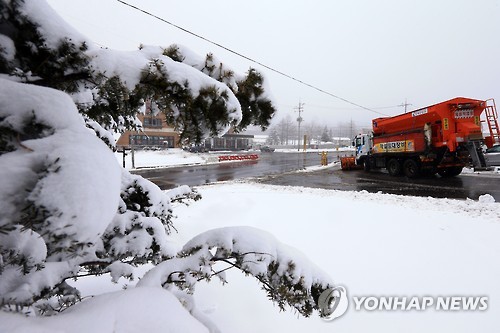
<point>349,163</point>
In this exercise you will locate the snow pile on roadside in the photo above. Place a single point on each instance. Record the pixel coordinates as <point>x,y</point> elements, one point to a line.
<point>161,158</point>
<point>174,157</point>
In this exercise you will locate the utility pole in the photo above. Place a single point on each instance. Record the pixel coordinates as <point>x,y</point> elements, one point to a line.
<point>299,109</point>
<point>405,104</point>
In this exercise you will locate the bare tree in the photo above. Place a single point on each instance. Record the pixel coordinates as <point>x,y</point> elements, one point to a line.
<point>313,131</point>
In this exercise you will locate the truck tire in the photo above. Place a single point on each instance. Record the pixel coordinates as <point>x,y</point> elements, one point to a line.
<point>450,172</point>
<point>394,167</point>
<point>411,168</point>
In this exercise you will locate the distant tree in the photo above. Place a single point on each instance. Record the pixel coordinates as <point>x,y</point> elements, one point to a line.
<point>330,133</point>
<point>273,138</point>
<point>68,210</point>
<point>312,130</point>
<point>325,136</point>
<point>288,129</point>
<point>284,131</point>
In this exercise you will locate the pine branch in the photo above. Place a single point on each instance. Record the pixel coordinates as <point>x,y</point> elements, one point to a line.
<point>54,81</point>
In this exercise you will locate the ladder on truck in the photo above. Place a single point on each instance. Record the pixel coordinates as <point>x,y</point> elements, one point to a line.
<point>492,120</point>
<point>475,147</point>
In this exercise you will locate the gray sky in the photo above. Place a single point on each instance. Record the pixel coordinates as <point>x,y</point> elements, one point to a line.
<point>373,53</point>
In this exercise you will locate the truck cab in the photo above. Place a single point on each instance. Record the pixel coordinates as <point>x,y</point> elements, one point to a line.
<point>363,144</point>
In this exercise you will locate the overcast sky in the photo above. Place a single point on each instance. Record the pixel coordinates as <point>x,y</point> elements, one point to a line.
<point>372,53</point>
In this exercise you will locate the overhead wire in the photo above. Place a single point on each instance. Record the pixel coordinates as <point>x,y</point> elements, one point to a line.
<point>248,58</point>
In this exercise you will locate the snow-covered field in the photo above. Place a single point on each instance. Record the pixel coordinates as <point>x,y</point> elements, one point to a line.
<point>372,244</point>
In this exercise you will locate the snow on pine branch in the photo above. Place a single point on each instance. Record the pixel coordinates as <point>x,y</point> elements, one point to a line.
<point>110,86</point>
<point>143,223</point>
<point>67,208</point>
<point>130,67</point>
<point>287,276</point>
<point>60,188</point>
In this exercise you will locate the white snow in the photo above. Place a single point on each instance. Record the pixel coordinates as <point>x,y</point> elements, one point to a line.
<point>7,48</point>
<point>66,156</point>
<point>113,312</point>
<point>372,244</point>
<point>73,163</point>
<point>162,158</point>
<point>51,25</point>
<point>129,66</point>
<point>262,248</point>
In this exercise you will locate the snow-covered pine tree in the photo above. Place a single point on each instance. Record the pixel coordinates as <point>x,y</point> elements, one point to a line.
<point>66,207</point>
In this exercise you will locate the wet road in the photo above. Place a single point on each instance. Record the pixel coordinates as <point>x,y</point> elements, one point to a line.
<point>462,187</point>
<point>275,168</point>
<point>267,164</point>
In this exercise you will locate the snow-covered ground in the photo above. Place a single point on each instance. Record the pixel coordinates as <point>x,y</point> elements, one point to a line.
<point>372,244</point>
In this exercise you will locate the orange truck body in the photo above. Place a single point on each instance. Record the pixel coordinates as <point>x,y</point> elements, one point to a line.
<point>449,124</point>
<point>441,138</point>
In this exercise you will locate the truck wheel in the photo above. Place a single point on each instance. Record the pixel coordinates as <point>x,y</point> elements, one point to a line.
<point>411,168</point>
<point>394,167</point>
<point>450,172</point>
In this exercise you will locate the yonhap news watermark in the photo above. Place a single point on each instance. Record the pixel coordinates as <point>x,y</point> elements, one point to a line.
<point>420,303</point>
<point>334,302</point>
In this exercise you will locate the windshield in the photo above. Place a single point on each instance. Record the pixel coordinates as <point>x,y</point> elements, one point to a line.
<point>358,141</point>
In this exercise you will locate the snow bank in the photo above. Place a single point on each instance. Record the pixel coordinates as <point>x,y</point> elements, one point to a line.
<point>129,311</point>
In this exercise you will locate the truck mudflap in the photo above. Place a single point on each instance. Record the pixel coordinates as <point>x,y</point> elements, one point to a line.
<point>476,153</point>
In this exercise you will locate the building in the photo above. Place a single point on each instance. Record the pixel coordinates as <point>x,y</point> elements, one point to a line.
<point>230,141</point>
<point>155,132</point>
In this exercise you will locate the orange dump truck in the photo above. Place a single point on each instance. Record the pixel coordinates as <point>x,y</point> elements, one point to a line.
<point>441,138</point>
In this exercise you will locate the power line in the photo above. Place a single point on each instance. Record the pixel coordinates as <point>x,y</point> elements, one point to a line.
<point>350,108</point>
<point>248,58</point>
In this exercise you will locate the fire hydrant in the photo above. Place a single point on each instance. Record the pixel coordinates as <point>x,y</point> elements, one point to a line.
<point>324,158</point>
